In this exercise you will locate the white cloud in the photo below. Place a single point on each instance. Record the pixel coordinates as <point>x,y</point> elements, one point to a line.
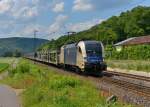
<point>82,5</point>
<point>32,12</point>
<point>59,7</point>
<point>29,29</point>
<point>35,2</point>
<point>25,12</point>
<point>83,25</point>
<point>58,24</point>
<point>19,8</point>
<point>5,5</point>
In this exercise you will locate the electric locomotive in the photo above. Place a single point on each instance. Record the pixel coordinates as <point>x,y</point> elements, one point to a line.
<point>84,55</point>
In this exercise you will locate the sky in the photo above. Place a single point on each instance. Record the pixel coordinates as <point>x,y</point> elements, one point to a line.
<point>53,18</point>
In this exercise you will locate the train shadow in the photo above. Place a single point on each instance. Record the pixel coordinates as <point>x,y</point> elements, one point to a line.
<point>106,74</point>
<point>88,74</point>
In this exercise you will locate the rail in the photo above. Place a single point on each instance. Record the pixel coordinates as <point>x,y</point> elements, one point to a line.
<point>143,78</point>
<point>139,89</point>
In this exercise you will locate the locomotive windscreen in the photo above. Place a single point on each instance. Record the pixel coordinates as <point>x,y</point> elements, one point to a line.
<point>94,49</point>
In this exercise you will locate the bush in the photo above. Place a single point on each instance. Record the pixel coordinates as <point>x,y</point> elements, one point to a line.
<point>63,82</point>
<point>24,68</point>
<point>138,52</point>
<point>61,91</point>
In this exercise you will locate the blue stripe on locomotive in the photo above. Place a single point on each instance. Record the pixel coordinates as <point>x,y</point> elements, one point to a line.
<point>94,59</point>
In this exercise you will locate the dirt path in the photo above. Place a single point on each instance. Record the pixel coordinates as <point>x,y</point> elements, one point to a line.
<point>8,97</point>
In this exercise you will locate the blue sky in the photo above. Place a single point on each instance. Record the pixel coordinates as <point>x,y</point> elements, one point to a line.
<point>52,18</point>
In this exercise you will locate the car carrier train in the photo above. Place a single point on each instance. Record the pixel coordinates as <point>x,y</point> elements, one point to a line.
<point>84,56</point>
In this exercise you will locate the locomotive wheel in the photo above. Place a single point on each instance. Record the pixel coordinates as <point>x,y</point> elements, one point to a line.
<point>85,73</point>
<point>64,66</point>
<point>77,70</point>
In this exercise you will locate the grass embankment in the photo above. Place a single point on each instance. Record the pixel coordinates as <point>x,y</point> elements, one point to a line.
<point>137,65</point>
<point>46,88</point>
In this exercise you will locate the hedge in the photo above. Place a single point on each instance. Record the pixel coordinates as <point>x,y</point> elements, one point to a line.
<point>134,52</point>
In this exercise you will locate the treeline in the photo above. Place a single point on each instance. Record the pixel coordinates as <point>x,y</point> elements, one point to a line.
<point>117,28</point>
<point>24,45</point>
<point>12,54</point>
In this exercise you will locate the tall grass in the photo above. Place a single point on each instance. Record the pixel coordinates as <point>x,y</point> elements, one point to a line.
<point>138,65</point>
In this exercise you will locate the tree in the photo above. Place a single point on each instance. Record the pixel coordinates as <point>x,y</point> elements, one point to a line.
<point>8,54</point>
<point>17,53</point>
<point>117,28</point>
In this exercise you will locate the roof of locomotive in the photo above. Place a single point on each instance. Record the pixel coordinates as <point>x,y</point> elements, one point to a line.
<point>91,42</point>
<point>70,45</point>
<point>75,44</point>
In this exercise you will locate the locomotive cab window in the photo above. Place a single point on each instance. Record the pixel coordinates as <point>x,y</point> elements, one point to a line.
<point>93,49</point>
<point>80,51</point>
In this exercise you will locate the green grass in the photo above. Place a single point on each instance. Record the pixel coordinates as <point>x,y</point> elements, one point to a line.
<point>46,88</point>
<point>8,60</point>
<point>5,63</point>
<point>138,65</point>
<point>3,66</point>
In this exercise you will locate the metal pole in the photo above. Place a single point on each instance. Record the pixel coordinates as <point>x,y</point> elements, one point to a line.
<point>35,31</point>
<point>68,35</point>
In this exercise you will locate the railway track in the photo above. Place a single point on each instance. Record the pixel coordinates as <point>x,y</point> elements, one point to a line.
<point>136,88</point>
<point>143,78</point>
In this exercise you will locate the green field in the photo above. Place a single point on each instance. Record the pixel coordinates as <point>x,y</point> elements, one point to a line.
<point>5,62</point>
<point>138,65</point>
<point>46,88</point>
<point>3,66</point>
<point>8,60</point>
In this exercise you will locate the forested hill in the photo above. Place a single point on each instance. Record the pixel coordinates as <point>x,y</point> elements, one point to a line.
<point>23,45</point>
<point>117,28</point>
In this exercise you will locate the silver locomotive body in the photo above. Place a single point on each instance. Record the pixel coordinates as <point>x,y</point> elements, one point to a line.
<point>85,55</point>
